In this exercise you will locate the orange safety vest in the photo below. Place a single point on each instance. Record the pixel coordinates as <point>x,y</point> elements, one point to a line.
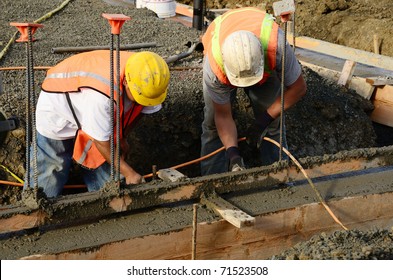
<point>90,70</point>
<point>251,19</point>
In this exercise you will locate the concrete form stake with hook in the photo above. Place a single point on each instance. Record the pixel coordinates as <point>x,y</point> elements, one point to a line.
<point>27,30</point>
<point>116,21</point>
<point>284,9</point>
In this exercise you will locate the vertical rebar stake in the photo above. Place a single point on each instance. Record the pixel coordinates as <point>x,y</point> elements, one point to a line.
<point>194,230</point>
<point>154,170</point>
<point>116,21</point>
<point>112,111</point>
<point>32,108</point>
<point>28,118</point>
<point>282,117</point>
<point>118,124</point>
<point>27,30</point>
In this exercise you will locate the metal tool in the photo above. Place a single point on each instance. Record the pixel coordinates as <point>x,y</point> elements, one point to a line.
<point>284,9</point>
<point>116,21</point>
<point>27,30</point>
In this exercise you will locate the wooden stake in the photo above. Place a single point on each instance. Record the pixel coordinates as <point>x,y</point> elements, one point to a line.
<point>347,72</point>
<point>376,44</point>
<point>194,230</point>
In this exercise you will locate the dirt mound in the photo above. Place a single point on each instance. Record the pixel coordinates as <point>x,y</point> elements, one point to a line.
<point>352,23</point>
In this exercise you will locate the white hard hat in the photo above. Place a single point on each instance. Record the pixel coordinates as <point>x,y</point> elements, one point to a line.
<point>242,55</point>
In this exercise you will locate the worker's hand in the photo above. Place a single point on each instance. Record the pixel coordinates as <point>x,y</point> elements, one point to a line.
<point>254,136</point>
<point>235,160</point>
<point>134,179</point>
<point>236,164</point>
<point>258,130</point>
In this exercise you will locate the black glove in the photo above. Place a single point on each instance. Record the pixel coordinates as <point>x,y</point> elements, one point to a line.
<point>258,130</point>
<point>235,160</point>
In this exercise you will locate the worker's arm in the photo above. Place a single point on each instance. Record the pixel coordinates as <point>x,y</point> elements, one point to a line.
<point>292,95</point>
<point>225,124</point>
<point>131,176</point>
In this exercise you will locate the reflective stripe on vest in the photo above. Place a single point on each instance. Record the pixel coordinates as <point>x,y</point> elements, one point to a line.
<point>265,29</point>
<point>81,74</point>
<point>89,69</point>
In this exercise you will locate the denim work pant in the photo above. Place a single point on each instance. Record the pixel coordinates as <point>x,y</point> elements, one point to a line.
<point>54,159</point>
<point>261,97</point>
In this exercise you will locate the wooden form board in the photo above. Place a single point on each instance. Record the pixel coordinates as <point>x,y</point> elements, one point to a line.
<point>228,211</point>
<point>271,234</point>
<point>383,105</point>
<point>343,52</point>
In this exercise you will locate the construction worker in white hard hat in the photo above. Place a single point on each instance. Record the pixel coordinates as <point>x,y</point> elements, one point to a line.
<point>243,49</point>
<point>73,115</point>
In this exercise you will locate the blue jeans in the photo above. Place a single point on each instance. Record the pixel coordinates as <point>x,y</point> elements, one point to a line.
<point>261,97</point>
<point>54,160</point>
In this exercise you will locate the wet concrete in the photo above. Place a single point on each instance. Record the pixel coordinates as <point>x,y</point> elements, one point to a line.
<point>328,120</point>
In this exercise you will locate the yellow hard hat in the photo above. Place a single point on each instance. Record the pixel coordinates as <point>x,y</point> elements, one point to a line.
<point>147,76</point>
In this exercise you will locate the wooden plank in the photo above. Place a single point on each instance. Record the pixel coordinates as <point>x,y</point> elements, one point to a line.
<point>343,52</point>
<point>379,81</point>
<point>228,211</point>
<point>184,10</point>
<point>22,221</point>
<point>384,94</point>
<point>170,175</point>
<point>383,105</point>
<point>347,72</point>
<point>272,233</point>
<point>382,113</point>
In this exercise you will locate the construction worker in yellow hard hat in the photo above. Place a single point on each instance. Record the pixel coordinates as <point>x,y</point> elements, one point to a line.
<point>73,114</point>
<point>243,48</point>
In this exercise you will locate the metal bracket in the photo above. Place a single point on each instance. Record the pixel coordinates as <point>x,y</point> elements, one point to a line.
<point>283,7</point>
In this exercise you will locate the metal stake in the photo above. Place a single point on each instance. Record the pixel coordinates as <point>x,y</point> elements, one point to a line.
<point>27,30</point>
<point>116,21</point>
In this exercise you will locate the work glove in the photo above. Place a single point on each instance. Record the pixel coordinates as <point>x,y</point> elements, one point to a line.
<point>258,130</point>
<point>236,162</point>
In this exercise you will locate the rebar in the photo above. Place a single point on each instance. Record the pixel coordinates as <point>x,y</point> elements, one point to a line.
<point>118,124</point>
<point>32,107</point>
<point>282,117</point>
<point>112,140</point>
